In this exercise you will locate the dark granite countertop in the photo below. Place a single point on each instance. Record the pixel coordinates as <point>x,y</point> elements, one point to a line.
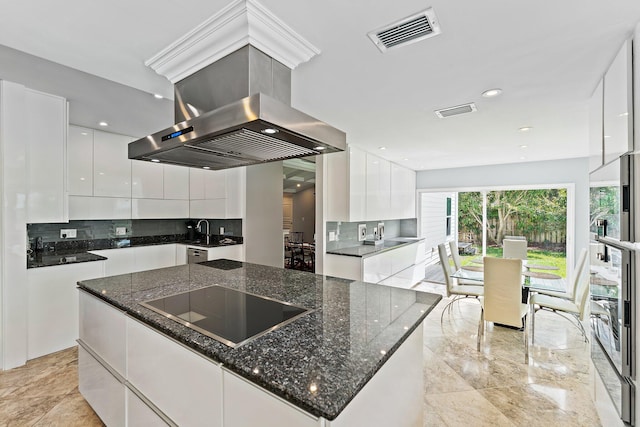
<point>48,259</point>
<point>334,350</point>
<point>76,251</point>
<point>363,251</point>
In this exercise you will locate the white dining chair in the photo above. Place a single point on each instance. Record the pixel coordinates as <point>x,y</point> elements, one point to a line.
<point>502,300</point>
<point>514,249</point>
<point>455,289</point>
<point>575,309</point>
<point>579,269</point>
<point>457,264</point>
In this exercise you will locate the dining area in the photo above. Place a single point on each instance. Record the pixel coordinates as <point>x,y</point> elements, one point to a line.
<point>512,289</point>
<point>299,254</point>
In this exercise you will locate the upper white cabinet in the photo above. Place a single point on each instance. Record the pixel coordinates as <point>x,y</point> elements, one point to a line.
<point>403,192</point>
<point>216,194</point>
<point>147,180</point>
<point>346,179</point>
<point>80,161</point>
<point>618,105</point>
<point>176,182</point>
<point>378,188</point>
<point>111,165</point>
<point>364,187</point>
<point>46,141</point>
<point>596,146</point>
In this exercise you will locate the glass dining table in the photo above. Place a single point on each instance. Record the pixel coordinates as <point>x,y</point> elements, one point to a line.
<point>541,280</point>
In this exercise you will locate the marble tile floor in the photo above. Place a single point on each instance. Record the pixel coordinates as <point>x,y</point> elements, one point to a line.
<point>44,392</point>
<point>494,387</point>
<point>462,387</point>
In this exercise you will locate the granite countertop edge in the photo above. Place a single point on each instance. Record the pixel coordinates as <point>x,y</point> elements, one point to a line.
<point>370,250</point>
<point>218,353</point>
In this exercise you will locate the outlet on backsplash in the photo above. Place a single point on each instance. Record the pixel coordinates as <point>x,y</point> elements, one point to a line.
<point>362,232</point>
<point>68,233</point>
<point>121,231</point>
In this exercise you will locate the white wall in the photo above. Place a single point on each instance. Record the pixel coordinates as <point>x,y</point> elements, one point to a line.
<point>569,171</point>
<point>433,209</point>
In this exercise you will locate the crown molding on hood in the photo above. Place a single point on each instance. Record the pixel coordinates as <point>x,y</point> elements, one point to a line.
<point>240,23</point>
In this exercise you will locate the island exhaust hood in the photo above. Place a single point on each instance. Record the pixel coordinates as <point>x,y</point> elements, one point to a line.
<point>236,112</point>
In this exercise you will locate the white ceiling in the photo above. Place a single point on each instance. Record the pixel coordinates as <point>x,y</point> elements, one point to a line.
<point>546,56</point>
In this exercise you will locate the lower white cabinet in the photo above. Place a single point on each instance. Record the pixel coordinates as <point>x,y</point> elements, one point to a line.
<point>401,267</point>
<point>104,392</point>
<point>138,258</point>
<point>266,410</point>
<point>52,309</point>
<point>139,414</point>
<point>187,387</point>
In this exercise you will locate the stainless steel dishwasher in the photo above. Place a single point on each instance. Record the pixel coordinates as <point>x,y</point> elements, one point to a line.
<point>196,255</point>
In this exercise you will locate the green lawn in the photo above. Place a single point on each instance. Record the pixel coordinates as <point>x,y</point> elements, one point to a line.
<point>556,259</point>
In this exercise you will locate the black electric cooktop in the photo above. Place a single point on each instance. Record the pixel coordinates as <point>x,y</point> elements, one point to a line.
<point>227,315</point>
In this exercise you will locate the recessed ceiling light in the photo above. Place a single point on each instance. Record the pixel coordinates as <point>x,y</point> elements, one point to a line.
<point>522,158</point>
<point>405,159</point>
<point>206,167</point>
<point>157,96</point>
<point>382,148</point>
<point>490,93</point>
<point>525,129</point>
<point>270,131</point>
<point>84,133</point>
<point>297,185</point>
<point>103,124</point>
<point>155,160</point>
<point>523,146</point>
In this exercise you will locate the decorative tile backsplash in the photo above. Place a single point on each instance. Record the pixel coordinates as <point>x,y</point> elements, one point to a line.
<point>106,229</point>
<point>346,233</point>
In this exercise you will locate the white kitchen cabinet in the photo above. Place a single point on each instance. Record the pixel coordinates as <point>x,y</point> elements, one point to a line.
<point>181,254</point>
<point>266,410</point>
<point>53,305</point>
<point>147,180</point>
<point>618,105</point>
<point>138,258</point>
<point>346,185</point>
<point>159,208</point>
<point>208,208</point>
<point>207,184</point>
<point>236,188</point>
<point>102,390</point>
<point>80,161</point>
<point>103,330</point>
<point>111,165</point>
<point>596,145</point>
<point>403,192</point>
<point>154,256</point>
<point>82,207</point>
<point>46,141</point>
<point>139,414</point>
<point>119,261</point>
<point>176,182</point>
<point>378,188</point>
<point>186,386</point>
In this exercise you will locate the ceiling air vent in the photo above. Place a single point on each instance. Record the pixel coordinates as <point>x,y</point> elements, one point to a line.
<point>454,111</point>
<point>411,29</point>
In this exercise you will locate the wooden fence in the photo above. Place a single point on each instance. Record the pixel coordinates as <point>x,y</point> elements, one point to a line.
<point>539,237</point>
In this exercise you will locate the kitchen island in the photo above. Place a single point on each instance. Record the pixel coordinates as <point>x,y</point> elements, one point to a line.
<point>354,358</point>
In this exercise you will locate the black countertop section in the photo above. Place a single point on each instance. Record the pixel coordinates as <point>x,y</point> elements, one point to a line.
<point>363,251</point>
<point>46,259</point>
<point>75,251</point>
<point>334,350</point>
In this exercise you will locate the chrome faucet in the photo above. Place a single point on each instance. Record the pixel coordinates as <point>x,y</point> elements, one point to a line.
<point>208,229</point>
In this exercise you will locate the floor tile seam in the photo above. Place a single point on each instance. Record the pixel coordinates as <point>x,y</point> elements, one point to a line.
<point>498,410</point>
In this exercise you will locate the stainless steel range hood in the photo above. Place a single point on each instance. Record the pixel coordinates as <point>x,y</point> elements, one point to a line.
<point>235,112</point>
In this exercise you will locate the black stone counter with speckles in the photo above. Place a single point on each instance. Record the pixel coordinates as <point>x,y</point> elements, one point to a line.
<point>319,361</point>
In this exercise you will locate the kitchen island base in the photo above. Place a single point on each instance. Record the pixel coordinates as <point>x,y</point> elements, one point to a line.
<point>146,376</point>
